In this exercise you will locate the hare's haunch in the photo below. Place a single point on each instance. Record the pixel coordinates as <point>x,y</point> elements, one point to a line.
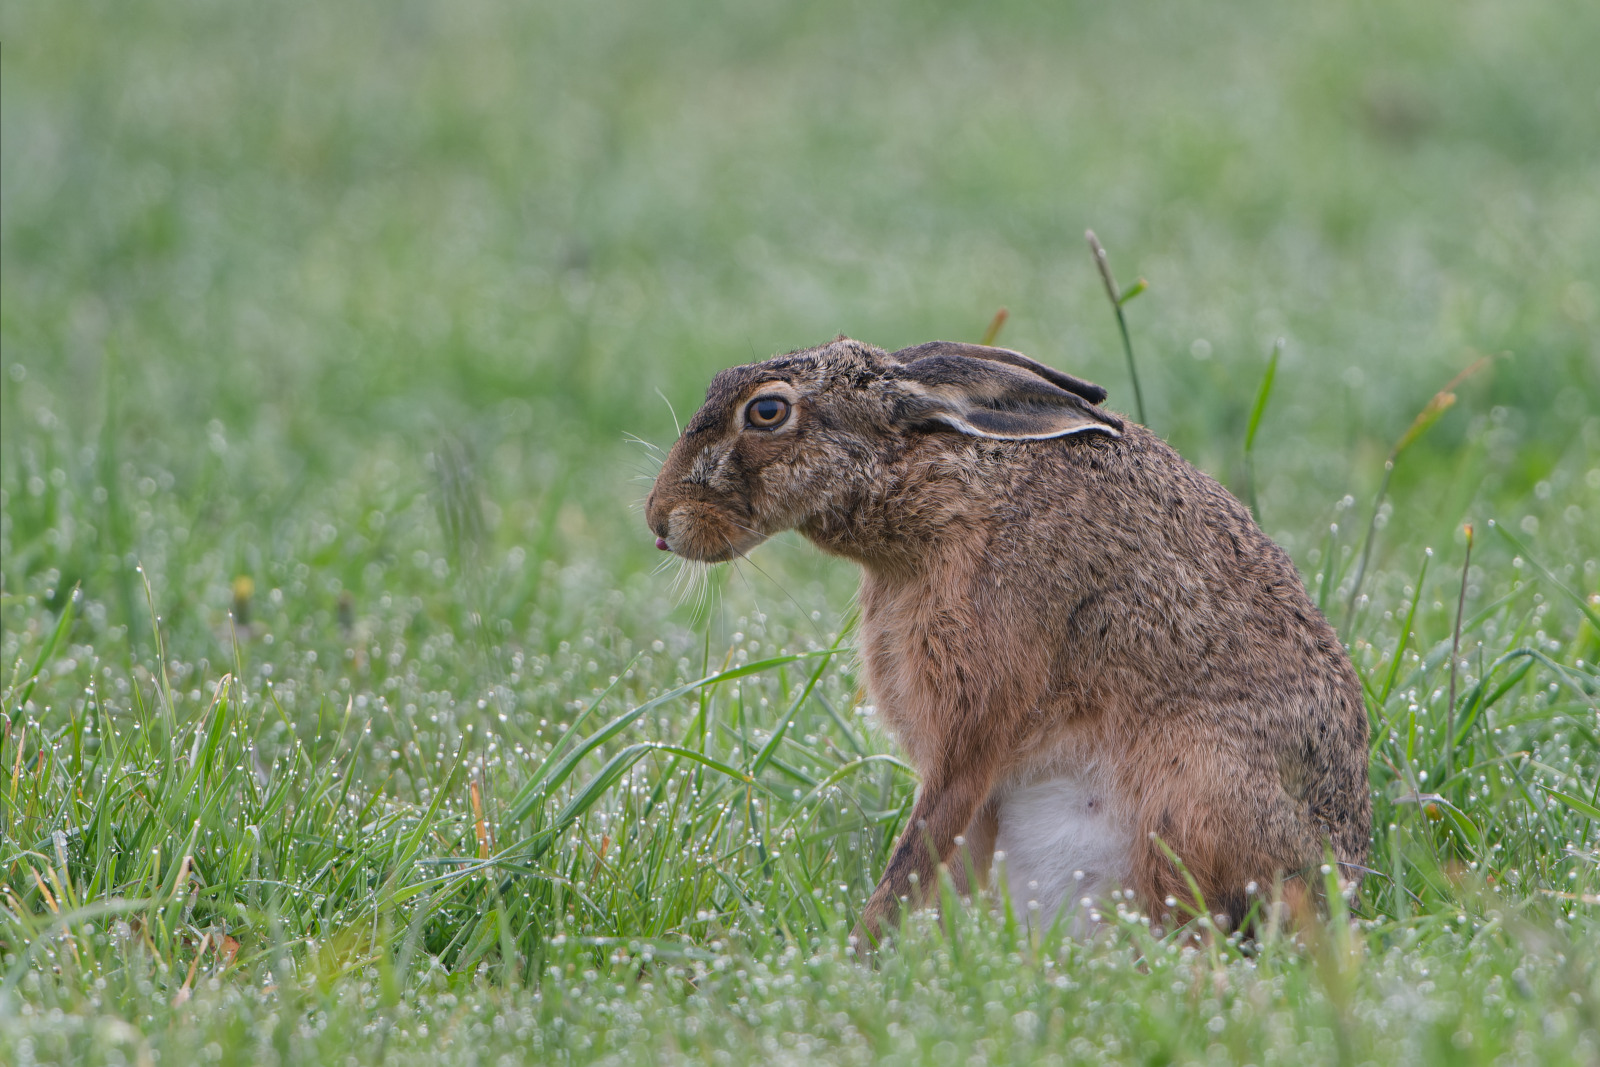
<point>1094,658</point>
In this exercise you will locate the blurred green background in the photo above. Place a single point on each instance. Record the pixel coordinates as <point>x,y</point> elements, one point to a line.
<point>343,318</point>
<point>260,260</point>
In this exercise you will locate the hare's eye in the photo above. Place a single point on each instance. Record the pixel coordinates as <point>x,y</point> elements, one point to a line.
<point>767,412</point>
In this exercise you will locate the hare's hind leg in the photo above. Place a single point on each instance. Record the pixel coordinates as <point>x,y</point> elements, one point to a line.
<point>1219,826</point>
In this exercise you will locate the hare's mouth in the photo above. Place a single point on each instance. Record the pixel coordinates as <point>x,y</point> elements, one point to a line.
<point>705,535</point>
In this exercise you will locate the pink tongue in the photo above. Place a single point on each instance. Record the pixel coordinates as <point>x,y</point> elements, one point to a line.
<point>661,543</point>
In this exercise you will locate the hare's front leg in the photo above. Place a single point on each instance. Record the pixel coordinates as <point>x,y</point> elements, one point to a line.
<point>956,693</point>
<point>974,851</point>
<point>944,808</point>
<point>954,798</point>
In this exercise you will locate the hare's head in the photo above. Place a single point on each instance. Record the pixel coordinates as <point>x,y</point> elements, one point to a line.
<point>785,439</point>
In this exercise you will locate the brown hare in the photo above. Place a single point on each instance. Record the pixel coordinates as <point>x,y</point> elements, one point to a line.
<point>1092,656</point>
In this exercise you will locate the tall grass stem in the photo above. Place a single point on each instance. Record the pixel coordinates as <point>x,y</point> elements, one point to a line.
<point>1455,663</point>
<point>1431,413</point>
<point>996,324</point>
<point>1119,298</point>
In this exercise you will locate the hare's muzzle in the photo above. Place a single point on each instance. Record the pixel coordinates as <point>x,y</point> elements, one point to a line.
<point>696,528</point>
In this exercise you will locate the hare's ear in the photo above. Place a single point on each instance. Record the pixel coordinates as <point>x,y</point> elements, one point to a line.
<point>987,397</point>
<point>1088,390</point>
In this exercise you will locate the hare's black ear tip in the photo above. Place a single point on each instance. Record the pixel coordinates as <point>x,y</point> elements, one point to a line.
<point>1088,391</point>
<point>1094,394</point>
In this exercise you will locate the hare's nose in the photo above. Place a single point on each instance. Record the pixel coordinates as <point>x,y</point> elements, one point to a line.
<point>661,543</point>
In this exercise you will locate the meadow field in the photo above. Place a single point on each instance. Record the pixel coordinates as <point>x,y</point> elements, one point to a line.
<point>349,715</point>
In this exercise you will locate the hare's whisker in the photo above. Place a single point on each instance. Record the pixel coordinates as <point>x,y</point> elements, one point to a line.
<point>682,580</point>
<point>700,587</point>
<point>635,439</point>
<point>755,600</point>
<point>667,402</point>
<point>704,594</point>
<point>806,614</point>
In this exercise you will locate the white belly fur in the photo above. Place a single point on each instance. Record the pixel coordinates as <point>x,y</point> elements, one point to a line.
<point>1060,840</point>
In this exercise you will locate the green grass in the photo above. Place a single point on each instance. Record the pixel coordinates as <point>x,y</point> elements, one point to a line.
<point>338,318</point>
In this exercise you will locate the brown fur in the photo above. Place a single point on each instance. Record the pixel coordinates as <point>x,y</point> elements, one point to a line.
<point>1086,599</point>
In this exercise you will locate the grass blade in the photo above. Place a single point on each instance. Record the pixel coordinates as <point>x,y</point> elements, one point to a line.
<point>1405,631</point>
<point>1577,804</point>
<point>545,782</point>
<point>1572,594</point>
<point>1263,393</point>
<point>46,651</point>
<point>778,732</point>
